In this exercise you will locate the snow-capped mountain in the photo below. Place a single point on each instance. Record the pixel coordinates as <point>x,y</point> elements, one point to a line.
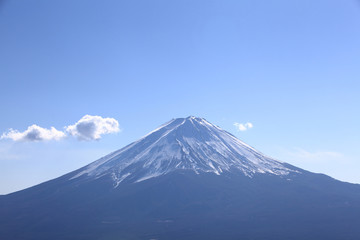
<point>183,144</point>
<point>186,180</point>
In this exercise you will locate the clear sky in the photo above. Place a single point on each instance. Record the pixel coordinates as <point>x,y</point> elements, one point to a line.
<point>290,68</point>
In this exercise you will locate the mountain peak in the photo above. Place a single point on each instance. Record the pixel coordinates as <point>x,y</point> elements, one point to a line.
<point>183,144</point>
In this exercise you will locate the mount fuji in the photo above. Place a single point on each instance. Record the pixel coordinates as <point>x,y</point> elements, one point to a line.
<point>187,179</point>
<point>191,144</point>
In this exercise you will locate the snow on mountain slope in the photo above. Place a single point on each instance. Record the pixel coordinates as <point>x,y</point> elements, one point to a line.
<point>184,143</point>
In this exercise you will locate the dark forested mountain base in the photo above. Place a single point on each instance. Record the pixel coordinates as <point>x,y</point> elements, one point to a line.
<point>185,206</point>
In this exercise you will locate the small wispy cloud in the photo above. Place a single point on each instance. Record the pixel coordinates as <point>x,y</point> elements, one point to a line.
<point>92,127</point>
<point>301,154</point>
<point>34,133</point>
<point>243,126</point>
<point>87,128</point>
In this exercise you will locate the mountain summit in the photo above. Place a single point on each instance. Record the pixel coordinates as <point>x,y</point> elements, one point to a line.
<point>187,179</point>
<point>183,144</point>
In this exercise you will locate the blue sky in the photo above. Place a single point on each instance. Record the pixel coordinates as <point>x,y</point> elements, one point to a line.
<point>291,68</point>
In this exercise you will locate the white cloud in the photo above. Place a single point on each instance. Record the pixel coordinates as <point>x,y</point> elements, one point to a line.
<point>34,133</point>
<point>92,127</point>
<point>243,126</point>
<point>87,128</point>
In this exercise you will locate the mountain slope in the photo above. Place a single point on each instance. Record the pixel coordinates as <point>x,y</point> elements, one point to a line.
<point>187,179</point>
<point>187,144</point>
